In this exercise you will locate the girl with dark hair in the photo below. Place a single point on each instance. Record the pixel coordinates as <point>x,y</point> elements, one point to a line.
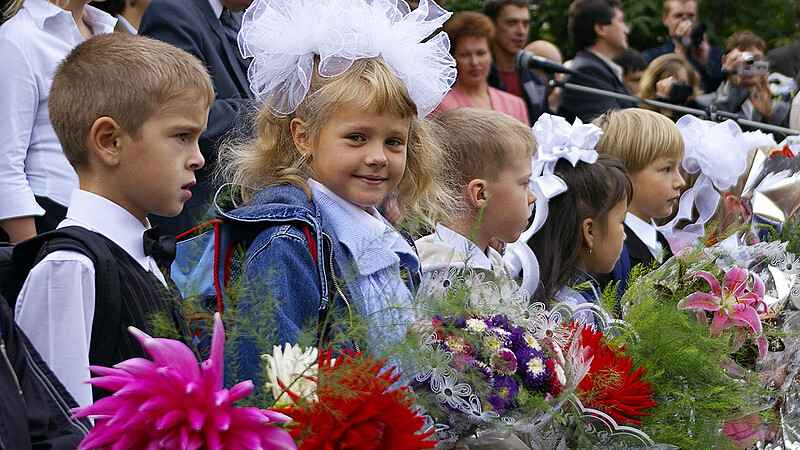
<point>583,232</point>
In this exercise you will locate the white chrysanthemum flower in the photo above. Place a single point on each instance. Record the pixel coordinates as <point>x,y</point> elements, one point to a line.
<point>292,366</point>
<point>477,325</point>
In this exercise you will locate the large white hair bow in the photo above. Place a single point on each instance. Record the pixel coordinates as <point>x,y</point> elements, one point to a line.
<point>556,139</point>
<point>282,37</point>
<point>718,151</point>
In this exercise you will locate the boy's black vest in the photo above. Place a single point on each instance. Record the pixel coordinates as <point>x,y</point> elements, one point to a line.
<point>125,295</point>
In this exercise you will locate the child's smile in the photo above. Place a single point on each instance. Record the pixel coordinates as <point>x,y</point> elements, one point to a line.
<point>360,155</point>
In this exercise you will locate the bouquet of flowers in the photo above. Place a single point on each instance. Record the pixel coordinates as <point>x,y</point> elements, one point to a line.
<point>172,402</point>
<point>483,376</point>
<point>714,366</point>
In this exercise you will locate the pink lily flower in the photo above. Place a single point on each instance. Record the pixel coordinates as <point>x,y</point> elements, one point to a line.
<point>733,307</point>
<point>172,402</point>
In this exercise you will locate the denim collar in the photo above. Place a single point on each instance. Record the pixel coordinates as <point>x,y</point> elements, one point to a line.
<point>274,203</point>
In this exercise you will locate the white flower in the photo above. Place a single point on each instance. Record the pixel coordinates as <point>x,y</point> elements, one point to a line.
<point>791,264</point>
<point>293,367</point>
<point>477,325</point>
<point>455,394</point>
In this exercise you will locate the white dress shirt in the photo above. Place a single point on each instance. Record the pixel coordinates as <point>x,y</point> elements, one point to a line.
<point>32,43</point>
<point>55,307</point>
<point>646,232</point>
<point>472,254</point>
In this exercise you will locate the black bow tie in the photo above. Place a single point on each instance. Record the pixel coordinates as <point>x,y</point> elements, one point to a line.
<point>162,248</point>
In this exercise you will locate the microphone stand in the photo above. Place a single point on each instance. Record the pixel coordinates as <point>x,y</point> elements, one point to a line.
<point>709,114</point>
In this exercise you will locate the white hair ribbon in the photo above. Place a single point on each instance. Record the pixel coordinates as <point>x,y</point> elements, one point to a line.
<point>718,151</point>
<point>557,139</point>
<point>283,36</point>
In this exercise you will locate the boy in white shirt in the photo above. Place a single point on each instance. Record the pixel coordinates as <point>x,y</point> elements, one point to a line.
<point>490,163</point>
<point>128,111</point>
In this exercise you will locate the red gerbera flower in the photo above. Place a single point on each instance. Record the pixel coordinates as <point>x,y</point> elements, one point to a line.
<point>610,386</point>
<point>357,410</point>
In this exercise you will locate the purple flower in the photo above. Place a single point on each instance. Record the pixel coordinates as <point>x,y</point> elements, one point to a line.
<point>504,391</point>
<point>532,365</point>
<point>499,321</point>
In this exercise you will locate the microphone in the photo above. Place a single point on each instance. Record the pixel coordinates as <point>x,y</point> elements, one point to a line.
<point>528,60</point>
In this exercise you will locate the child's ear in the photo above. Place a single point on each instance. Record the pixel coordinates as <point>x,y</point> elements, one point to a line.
<point>302,141</point>
<point>476,192</point>
<point>105,140</point>
<point>589,231</point>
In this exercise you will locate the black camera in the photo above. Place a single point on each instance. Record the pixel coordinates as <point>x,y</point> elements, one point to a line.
<point>695,38</point>
<point>680,93</point>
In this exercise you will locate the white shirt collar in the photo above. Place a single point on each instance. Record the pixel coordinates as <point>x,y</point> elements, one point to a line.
<point>370,220</point>
<point>41,10</point>
<point>103,216</point>
<point>449,238</point>
<point>646,232</point>
<point>127,25</point>
<point>99,21</point>
<point>216,5</point>
<point>611,64</point>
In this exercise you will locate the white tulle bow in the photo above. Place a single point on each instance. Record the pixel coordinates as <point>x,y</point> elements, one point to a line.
<point>283,36</point>
<point>557,139</point>
<point>718,151</point>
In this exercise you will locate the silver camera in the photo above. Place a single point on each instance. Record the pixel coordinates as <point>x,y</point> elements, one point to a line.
<point>752,67</point>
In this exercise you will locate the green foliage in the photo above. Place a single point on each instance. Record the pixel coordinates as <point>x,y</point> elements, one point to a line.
<point>462,5</point>
<point>789,234</point>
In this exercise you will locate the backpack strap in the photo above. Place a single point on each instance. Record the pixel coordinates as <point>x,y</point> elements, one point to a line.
<point>108,303</point>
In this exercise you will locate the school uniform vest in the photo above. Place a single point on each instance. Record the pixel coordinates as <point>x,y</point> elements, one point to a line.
<point>141,295</point>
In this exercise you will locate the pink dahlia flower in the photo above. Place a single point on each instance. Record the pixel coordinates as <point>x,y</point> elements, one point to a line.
<point>173,403</point>
<point>732,305</point>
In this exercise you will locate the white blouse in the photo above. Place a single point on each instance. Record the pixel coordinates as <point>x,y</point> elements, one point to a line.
<point>32,43</point>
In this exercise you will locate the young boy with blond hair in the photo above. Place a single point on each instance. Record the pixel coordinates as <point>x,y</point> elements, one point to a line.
<point>489,163</point>
<point>129,111</point>
<point>651,148</point>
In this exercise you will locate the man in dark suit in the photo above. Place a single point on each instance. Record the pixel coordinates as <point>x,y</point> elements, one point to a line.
<point>597,29</point>
<point>207,29</point>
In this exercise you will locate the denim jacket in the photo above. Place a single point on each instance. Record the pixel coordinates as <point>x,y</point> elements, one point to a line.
<point>278,266</point>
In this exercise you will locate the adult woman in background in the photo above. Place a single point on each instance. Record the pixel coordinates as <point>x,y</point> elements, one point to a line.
<point>470,34</point>
<point>36,180</point>
<point>669,78</point>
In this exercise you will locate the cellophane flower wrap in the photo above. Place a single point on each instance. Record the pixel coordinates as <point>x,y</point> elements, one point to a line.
<point>172,402</point>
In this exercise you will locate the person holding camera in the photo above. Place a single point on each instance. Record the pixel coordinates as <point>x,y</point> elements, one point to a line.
<point>745,91</point>
<point>671,79</point>
<point>687,37</point>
